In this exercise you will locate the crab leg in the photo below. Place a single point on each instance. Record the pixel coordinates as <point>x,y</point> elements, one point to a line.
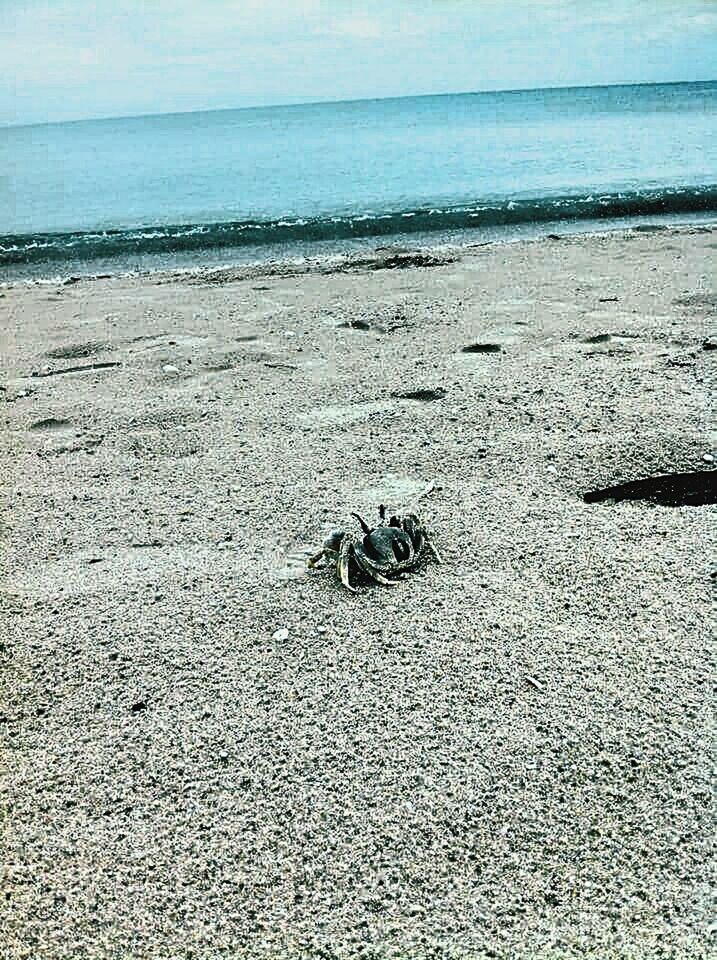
<point>317,558</point>
<point>432,549</point>
<point>412,524</point>
<point>342,564</point>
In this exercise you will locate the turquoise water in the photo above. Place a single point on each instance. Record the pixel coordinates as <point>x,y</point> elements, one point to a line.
<point>236,184</point>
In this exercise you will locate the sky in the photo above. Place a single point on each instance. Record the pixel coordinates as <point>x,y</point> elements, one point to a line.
<point>75,59</point>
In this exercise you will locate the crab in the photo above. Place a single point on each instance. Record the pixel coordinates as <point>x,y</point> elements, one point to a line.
<point>393,547</point>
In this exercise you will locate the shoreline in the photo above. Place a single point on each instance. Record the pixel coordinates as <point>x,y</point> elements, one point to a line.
<point>211,749</point>
<point>369,248</point>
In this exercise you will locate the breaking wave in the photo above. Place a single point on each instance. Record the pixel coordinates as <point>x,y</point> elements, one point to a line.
<point>85,245</point>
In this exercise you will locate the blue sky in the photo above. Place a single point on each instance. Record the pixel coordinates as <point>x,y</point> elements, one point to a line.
<point>70,59</point>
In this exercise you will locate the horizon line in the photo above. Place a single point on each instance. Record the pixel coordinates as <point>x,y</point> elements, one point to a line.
<point>328,100</point>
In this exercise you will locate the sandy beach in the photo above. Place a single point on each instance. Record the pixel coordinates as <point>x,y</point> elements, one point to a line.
<point>507,755</point>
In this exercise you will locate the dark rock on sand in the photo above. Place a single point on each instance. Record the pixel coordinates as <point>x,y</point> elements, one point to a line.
<point>670,490</point>
<point>86,366</point>
<point>423,393</point>
<point>400,261</point>
<point>482,348</point>
<point>357,324</point>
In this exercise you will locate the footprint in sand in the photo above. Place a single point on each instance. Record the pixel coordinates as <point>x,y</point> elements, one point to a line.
<point>701,301</point>
<point>335,414</point>
<point>291,562</point>
<point>163,419</point>
<point>394,489</point>
<point>51,425</point>
<point>72,351</point>
<point>346,414</point>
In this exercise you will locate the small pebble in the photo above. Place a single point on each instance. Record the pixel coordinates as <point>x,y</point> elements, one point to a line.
<point>708,458</point>
<point>281,634</point>
<point>170,368</point>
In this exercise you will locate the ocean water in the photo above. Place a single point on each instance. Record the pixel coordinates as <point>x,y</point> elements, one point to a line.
<point>236,185</point>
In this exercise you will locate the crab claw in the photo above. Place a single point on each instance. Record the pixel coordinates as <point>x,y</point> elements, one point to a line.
<point>342,564</point>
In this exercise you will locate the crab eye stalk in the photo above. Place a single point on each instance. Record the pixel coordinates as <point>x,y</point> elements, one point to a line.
<point>364,526</point>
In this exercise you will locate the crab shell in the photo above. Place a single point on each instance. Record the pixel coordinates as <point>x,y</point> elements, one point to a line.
<point>391,548</point>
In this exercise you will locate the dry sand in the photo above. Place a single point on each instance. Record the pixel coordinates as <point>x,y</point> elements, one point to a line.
<point>386,782</point>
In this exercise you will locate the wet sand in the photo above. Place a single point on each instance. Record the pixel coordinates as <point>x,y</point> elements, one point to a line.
<point>507,755</point>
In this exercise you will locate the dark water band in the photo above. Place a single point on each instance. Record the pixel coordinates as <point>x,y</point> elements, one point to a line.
<point>56,247</point>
